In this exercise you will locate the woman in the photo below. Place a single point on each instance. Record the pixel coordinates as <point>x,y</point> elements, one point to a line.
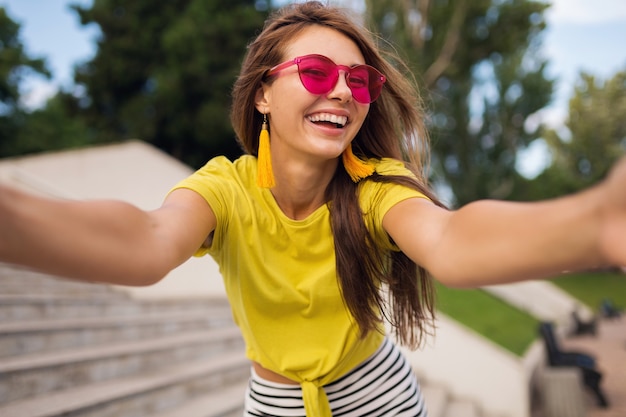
<point>306,233</point>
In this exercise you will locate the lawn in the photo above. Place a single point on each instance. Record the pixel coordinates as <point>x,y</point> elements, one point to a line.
<point>505,325</point>
<point>513,329</point>
<point>593,287</point>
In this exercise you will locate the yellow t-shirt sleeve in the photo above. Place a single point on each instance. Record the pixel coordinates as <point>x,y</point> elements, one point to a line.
<point>378,198</point>
<point>213,182</point>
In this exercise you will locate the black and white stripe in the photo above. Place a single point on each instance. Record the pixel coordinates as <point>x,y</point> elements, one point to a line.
<point>382,386</point>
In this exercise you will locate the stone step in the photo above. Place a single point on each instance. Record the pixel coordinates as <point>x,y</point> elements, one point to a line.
<point>17,280</point>
<point>46,306</point>
<point>27,337</point>
<point>441,404</point>
<point>436,400</point>
<point>461,408</point>
<point>224,403</point>
<point>146,394</point>
<point>37,374</point>
<point>90,350</point>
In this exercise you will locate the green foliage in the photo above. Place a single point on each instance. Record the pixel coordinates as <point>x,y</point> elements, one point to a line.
<point>489,316</point>
<point>597,120</point>
<point>163,73</point>
<point>15,65</point>
<point>49,128</point>
<point>478,61</point>
<point>594,139</point>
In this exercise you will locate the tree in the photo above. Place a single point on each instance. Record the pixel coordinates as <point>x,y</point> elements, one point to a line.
<point>598,129</point>
<point>163,72</point>
<point>483,77</point>
<point>594,138</point>
<point>52,127</point>
<point>15,65</point>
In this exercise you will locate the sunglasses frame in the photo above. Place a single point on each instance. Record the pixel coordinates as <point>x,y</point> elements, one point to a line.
<point>378,82</point>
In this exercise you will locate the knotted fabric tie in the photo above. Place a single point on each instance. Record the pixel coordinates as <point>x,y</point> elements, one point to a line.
<point>315,400</point>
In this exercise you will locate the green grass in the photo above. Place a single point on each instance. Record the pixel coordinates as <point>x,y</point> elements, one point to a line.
<point>592,287</point>
<point>489,316</point>
<point>514,329</point>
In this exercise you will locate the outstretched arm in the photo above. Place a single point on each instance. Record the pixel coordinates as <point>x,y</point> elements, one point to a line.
<point>105,241</point>
<point>491,242</point>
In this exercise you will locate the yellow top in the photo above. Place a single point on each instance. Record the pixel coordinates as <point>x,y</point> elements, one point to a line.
<point>280,274</point>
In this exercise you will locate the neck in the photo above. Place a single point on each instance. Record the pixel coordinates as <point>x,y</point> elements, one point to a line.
<point>300,190</point>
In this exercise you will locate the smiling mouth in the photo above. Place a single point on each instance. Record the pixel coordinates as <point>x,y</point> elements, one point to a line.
<point>328,119</point>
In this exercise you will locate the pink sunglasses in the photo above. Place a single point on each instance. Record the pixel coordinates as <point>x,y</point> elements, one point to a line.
<point>320,74</point>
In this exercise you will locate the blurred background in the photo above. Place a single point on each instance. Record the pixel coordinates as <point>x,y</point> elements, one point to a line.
<point>526,100</point>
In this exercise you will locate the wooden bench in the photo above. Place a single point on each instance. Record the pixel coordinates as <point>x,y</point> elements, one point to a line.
<point>608,310</point>
<point>584,362</point>
<point>581,326</point>
<point>562,392</point>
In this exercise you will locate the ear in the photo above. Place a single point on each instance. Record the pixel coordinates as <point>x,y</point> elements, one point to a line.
<point>262,98</point>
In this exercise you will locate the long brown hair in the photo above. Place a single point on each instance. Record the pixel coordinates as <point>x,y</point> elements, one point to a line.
<point>394,128</point>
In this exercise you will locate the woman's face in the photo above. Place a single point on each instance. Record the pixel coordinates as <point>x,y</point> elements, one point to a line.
<point>298,118</point>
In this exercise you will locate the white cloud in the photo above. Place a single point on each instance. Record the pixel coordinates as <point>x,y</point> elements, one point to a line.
<point>586,11</point>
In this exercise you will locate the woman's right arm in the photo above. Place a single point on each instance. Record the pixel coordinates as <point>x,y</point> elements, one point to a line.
<point>102,240</point>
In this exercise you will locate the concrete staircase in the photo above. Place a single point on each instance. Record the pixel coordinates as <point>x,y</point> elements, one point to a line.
<point>76,349</point>
<point>441,404</point>
<point>90,350</point>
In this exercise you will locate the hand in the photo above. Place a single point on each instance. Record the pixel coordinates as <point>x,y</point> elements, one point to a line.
<point>613,216</point>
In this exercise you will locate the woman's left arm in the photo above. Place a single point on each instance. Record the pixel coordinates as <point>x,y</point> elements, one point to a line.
<point>490,242</point>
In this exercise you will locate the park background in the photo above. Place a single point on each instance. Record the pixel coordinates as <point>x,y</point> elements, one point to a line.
<point>510,100</point>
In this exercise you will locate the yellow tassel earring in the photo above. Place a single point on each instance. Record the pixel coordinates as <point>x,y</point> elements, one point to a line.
<point>356,167</point>
<point>265,175</point>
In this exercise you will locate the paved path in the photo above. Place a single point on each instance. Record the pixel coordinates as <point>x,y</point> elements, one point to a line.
<point>609,348</point>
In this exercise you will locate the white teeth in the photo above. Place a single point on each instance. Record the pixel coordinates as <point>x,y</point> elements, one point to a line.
<point>328,117</point>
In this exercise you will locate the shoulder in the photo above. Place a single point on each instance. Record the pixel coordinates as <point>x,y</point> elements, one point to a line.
<point>220,172</point>
<point>390,166</point>
<point>222,166</point>
<point>373,191</point>
<point>376,198</point>
<point>220,179</point>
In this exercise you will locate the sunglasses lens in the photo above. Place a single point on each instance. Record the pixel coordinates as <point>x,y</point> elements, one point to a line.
<point>360,80</point>
<point>319,75</point>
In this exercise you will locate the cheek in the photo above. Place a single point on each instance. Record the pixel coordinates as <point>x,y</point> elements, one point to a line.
<point>288,99</point>
<point>288,88</point>
<point>361,113</point>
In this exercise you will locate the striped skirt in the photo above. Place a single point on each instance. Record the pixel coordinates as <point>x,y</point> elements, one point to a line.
<point>383,385</point>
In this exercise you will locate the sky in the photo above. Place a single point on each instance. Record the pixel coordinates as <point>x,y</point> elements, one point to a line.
<point>582,35</point>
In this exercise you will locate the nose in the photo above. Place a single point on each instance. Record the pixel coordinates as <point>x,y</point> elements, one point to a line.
<point>341,90</point>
